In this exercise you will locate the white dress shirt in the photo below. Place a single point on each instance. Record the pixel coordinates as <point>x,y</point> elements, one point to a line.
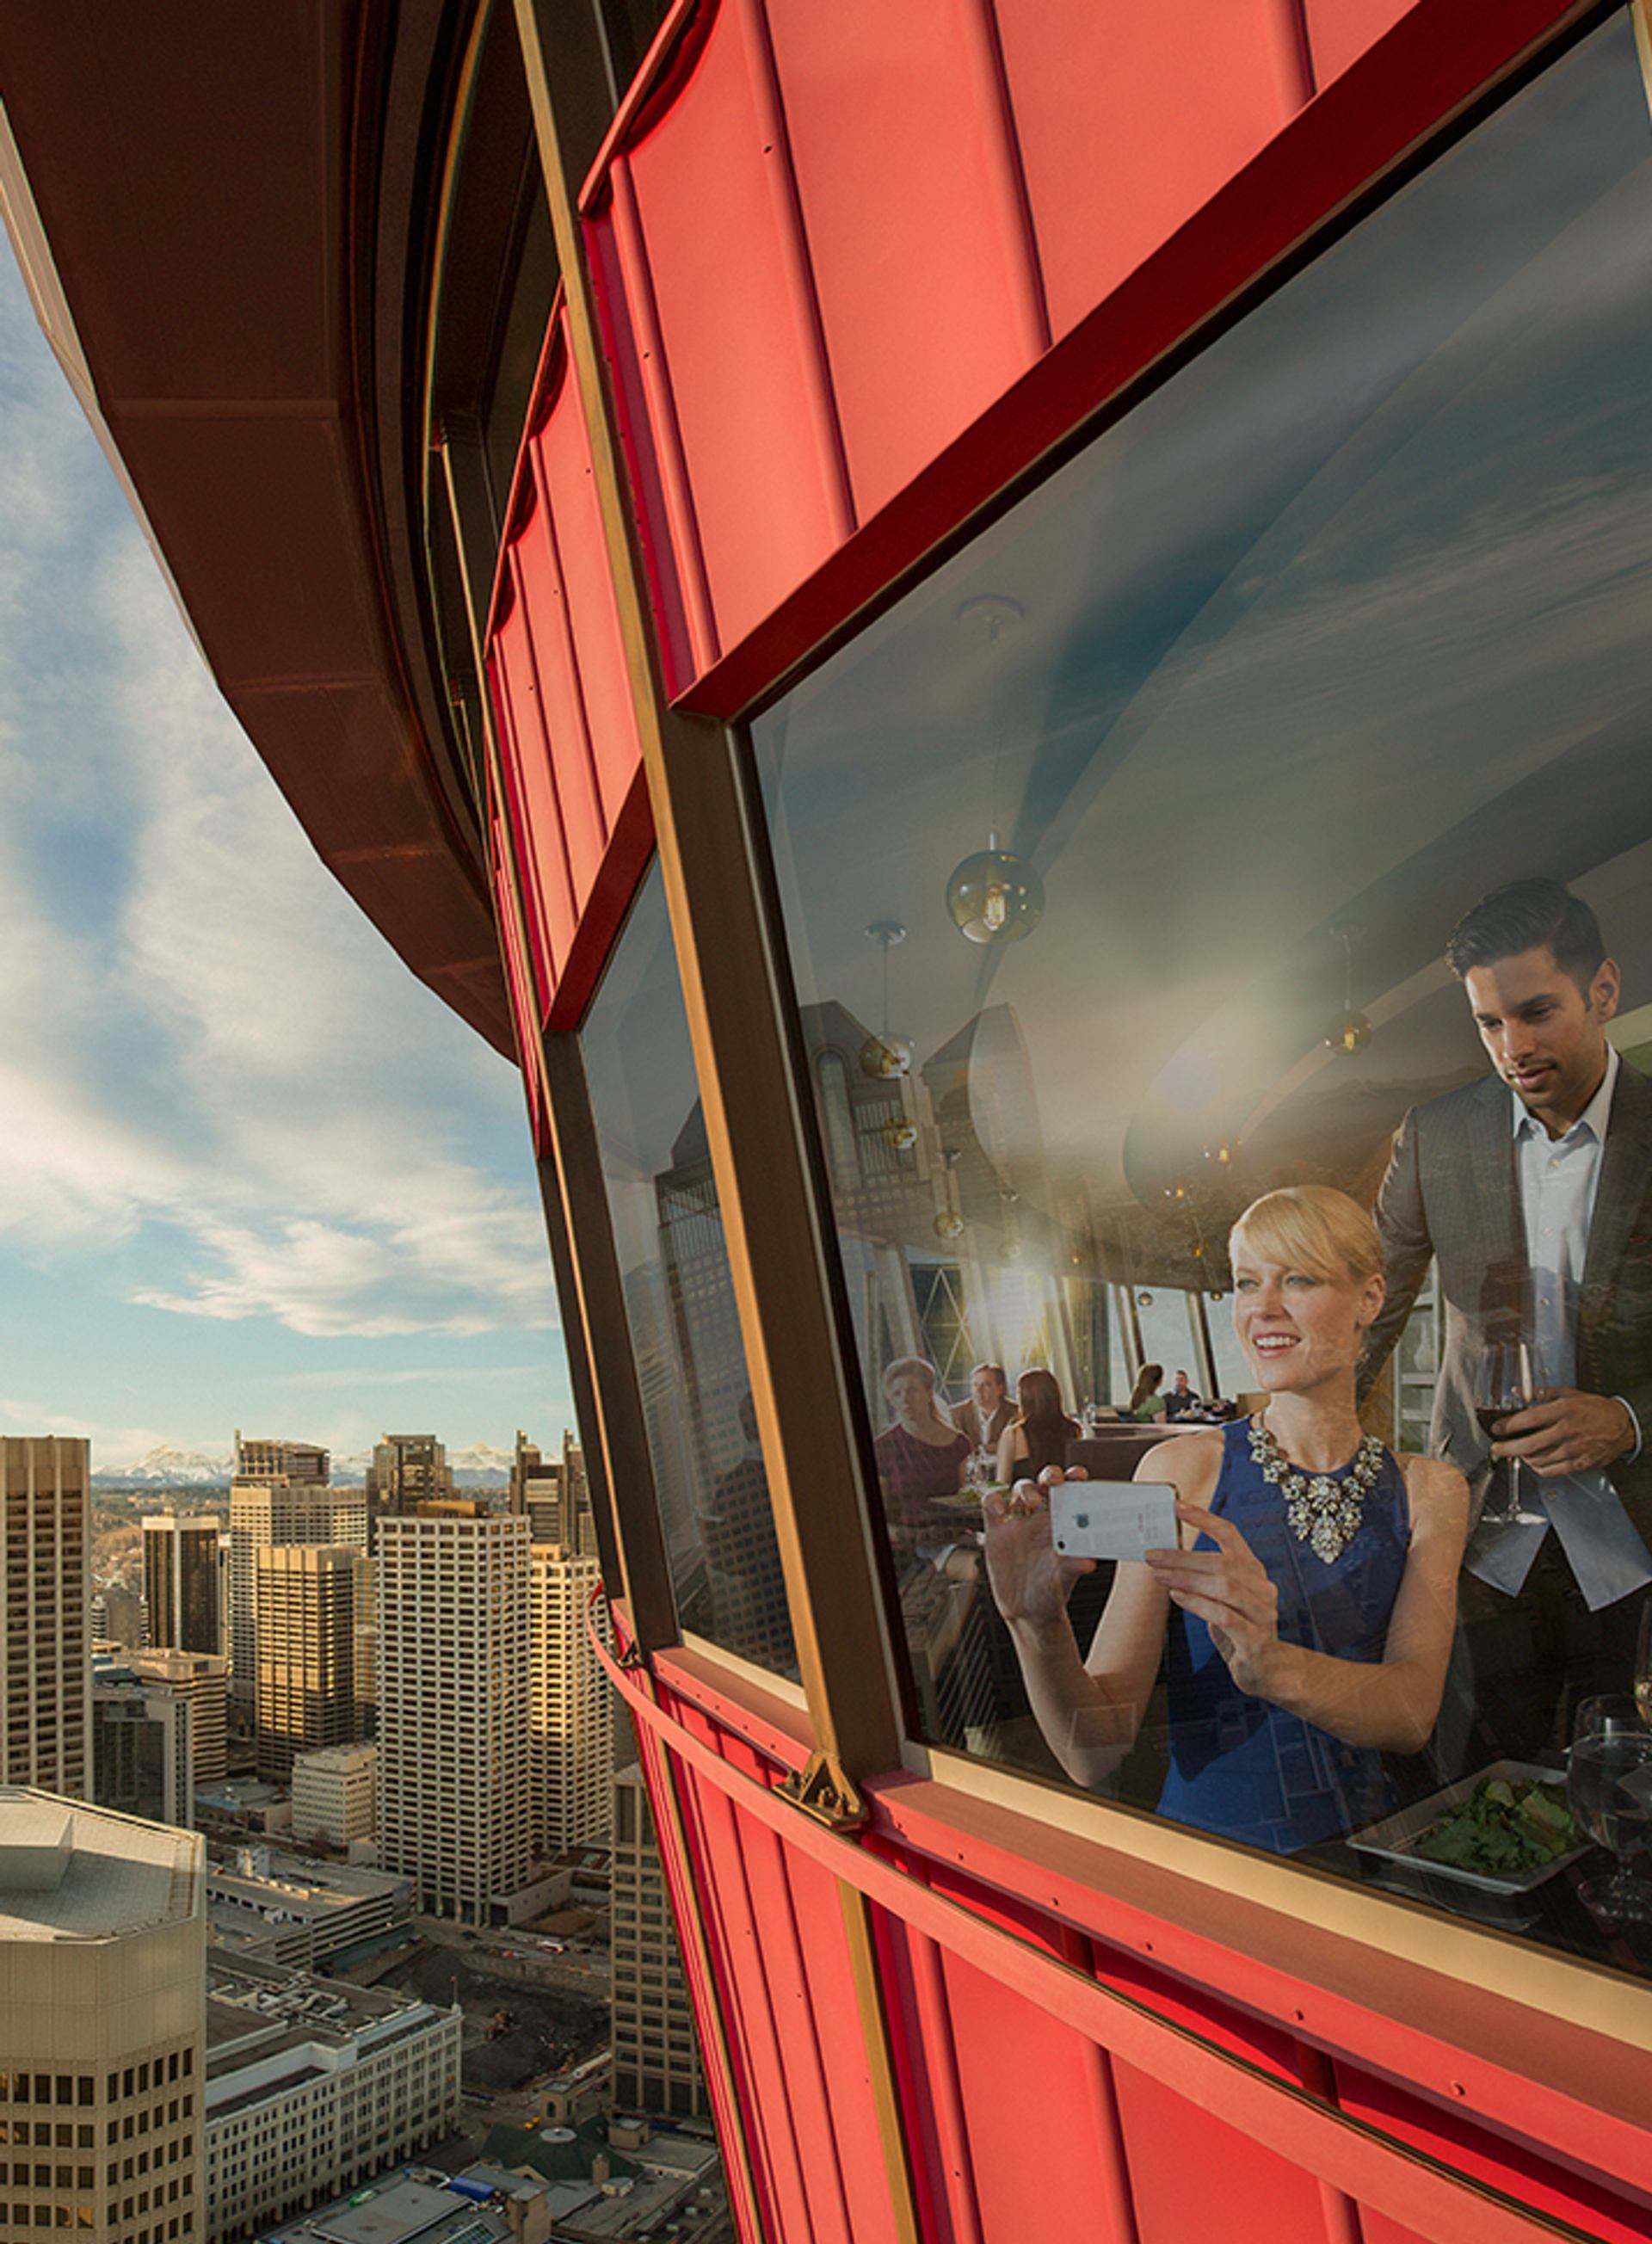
<point>1558,1179</point>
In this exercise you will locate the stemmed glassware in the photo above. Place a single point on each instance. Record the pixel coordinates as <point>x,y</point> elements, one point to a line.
<point>1609,1784</point>
<point>1509,1380</point>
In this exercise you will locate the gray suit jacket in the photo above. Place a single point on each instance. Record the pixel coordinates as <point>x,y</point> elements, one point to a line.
<point>1452,1192</point>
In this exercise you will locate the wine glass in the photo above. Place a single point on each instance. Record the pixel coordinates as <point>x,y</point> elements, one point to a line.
<point>1609,1781</point>
<point>1506,1382</point>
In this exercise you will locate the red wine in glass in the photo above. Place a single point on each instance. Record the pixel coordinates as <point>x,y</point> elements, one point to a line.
<point>1507,1383</point>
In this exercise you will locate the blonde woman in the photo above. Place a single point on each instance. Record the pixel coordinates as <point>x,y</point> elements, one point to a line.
<point>1305,1615</point>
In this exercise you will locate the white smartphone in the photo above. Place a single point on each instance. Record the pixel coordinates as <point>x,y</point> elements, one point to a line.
<point>1113,1518</point>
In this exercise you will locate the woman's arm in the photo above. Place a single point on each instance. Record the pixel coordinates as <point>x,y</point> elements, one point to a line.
<point>1390,1704</point>
<point>1006,1458</point>
<point>1089,1710</point>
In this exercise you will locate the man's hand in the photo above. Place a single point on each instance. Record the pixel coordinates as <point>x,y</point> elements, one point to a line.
<point>1567,1432</point>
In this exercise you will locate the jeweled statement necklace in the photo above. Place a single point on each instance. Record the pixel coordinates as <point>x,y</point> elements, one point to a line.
<point>1323,1513</point>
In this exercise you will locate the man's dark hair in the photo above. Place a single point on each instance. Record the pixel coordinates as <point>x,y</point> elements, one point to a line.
<point>1529,915</point>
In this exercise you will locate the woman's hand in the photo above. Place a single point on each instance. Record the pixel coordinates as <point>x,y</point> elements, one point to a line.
<point>1232,1591</point>
<point>1030,1584</point>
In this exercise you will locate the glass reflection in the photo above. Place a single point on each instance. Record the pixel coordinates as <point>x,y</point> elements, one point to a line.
<point>1342,629</point>
<point>709,1478</point>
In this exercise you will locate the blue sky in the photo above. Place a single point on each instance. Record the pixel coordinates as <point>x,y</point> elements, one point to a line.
<point>251,1172</point>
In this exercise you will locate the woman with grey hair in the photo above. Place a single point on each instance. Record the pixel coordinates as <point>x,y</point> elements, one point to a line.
<point>920,1456</point>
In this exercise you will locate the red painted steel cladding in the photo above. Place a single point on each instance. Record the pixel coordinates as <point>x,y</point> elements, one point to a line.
<point>856,269</point>
<point>942,232</point>
<point>1053,2083</point>
<point>555,664</point>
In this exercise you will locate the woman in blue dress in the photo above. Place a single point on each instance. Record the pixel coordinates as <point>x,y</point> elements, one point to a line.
<point>1305,1616</point>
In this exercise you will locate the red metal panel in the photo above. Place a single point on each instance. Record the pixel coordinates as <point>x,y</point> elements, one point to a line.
<point>616,324</point>
<point>921,266</point>
<point>531,807</point>
<point>1194,2175</point>
<point>551,677</point>
<point>608,718</point>
<point>1132,117</point>
<point>1520,2168</point>
<point>1340,30</point>
<point>1028,2082</point>
<point>739,357</point>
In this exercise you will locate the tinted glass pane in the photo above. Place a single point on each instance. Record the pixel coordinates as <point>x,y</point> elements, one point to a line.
<point>679,1301</point>
<point>1343,627</point>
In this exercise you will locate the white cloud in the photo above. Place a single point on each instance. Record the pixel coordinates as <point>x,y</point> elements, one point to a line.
<point>204,1048</point>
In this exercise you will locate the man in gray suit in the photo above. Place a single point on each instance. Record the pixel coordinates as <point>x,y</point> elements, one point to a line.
<point>1530,1190</point>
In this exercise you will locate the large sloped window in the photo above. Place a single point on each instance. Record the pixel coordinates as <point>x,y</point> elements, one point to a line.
<point>1171,785</point>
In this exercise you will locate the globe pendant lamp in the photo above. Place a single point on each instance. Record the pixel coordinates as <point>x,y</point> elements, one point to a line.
<point>995,896</point>
<point>886,1058</point>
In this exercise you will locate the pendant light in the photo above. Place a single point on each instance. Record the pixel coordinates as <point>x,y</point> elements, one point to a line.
<point>994,896</point>
<point>886,1058</point>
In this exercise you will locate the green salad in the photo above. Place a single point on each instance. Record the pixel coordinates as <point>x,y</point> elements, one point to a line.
<point>1502,1831</point>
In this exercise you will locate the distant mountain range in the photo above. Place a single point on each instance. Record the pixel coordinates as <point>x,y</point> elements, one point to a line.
<point>479,1466</point>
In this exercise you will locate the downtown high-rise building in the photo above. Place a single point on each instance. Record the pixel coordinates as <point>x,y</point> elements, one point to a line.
<point>455,1801</point>
<point>656,2058</point>
<point>103,1958</point>
<point>306,1601</point>
<point>273,1513</point>
<point>181,1581</point>
<point>201,1678</point>
<point>272,1460</point>
<point>408,1470</point>
<point>46,1653</point>
<point>571,1702</point>
<point>554,1495</point>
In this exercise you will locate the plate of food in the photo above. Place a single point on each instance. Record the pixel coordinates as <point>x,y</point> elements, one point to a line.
<point>1502,1831</point>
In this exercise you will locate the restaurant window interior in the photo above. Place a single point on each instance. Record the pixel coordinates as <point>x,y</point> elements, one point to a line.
<point>709,1478</point>
<point>1118,862</point>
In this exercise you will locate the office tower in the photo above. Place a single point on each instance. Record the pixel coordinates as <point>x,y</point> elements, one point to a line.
<point>656,2059</point>
<point>45,1666</point>
<point>336,1794</point>
<point>143,1758</point>
<point>570,1702</point>
<point>272,1514</point>
<point>294,1461</point>
<point>306,1597</point>
<point>408,1470</point>
<point>119,1616</point>
<point>181,1581</point>
<point>103,1949</point>
<point>202,1678</point>
<point>456,1803</point>
<point>553,1496</point>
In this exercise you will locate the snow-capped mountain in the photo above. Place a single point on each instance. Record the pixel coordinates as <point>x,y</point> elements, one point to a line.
<point>479,1466</point>
<point>169,1468</point>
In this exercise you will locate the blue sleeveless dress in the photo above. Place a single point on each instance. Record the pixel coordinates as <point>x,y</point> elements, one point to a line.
<point>1241,1766</point>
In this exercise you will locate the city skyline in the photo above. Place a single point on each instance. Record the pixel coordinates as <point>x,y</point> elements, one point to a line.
<point>251,1172</point>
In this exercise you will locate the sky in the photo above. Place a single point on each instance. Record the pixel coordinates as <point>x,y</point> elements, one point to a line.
<point>252,1173</point>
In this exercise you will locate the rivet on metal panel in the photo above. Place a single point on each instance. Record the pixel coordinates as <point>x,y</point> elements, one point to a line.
<point>821,1790</point>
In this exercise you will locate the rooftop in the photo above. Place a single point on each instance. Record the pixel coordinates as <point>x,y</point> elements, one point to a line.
<point>71,1872</point>
<point>416,2204</point>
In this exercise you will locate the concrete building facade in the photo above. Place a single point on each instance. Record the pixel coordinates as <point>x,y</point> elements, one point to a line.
<point>571,1702</point>
<point>314,2085</point>
<point>273,1514</point>
<point>335,1795</point>
<point>656,2058</point>
<point>45,1665</point>
<point>103,2027</point>
<point>455,1799</point>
